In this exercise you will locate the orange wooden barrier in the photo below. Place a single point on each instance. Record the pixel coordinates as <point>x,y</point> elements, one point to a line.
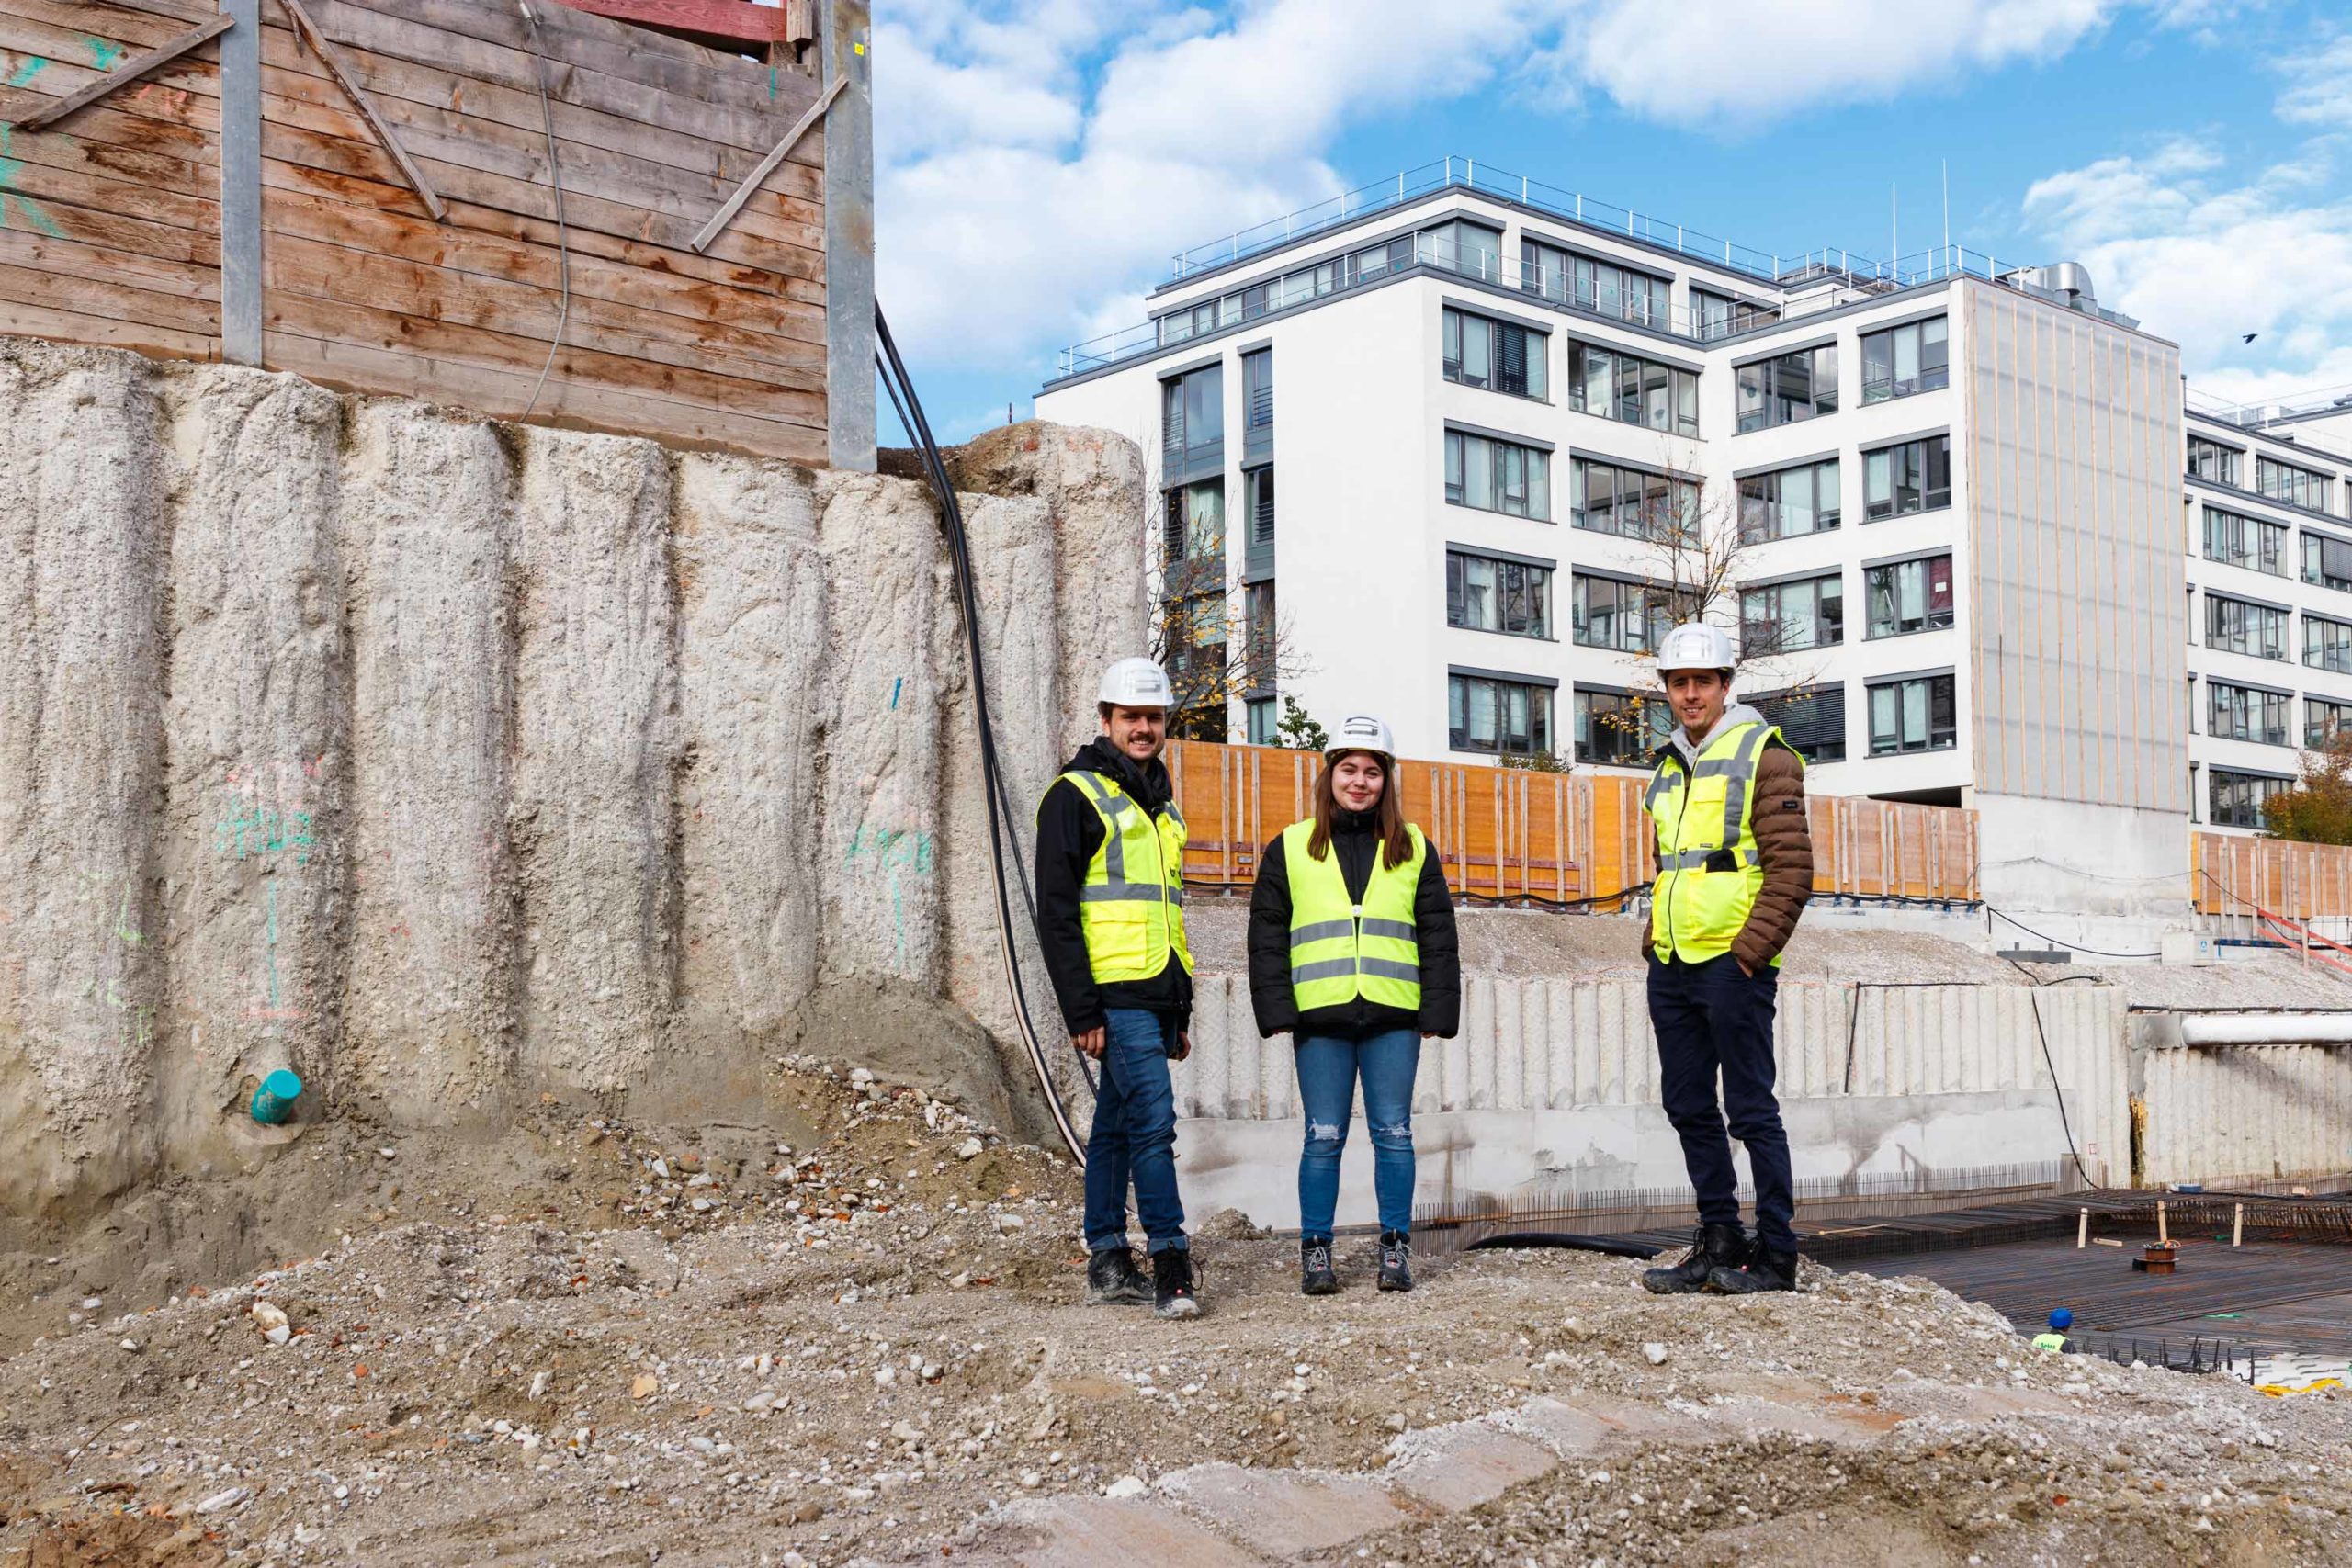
<point>1562,838</point>
<point>2229,875</point>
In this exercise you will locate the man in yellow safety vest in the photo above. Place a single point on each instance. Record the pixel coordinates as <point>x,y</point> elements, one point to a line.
<point>1734,868</point>
<point>1110,889</point>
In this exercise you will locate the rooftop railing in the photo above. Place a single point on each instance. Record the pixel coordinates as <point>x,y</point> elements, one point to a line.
<point>2326,400</point>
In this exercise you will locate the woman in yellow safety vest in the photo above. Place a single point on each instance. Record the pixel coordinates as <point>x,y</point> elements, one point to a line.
<point>1352,953</point>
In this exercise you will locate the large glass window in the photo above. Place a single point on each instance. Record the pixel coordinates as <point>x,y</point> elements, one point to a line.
<point>1782,617</point>
<point>2246,713</point>
<point>1719,315</point>
<point>2327,645</point>
<point>1628,616</point>
<point>2327,561</point>
<point>2212,460</point>
<point>1789,387</point>
<point>1487,594</point>
<point>1633,391</point>
<point>1609,499</point>
<point>1195,522</point>
<point>1502,356</point>
<point>2324,721</point>
<point>1257,389</point>
<point>1258,495</point>
<point>1909,596</point>
<point>2236,626</point>
<point>1911,478</point>
<point>1260,634</point>
<point>1811,718</point>
<point>2285,481</point>
<point>1912,357</point>
<point>2249,542</point>
<point>1614,729</point>
<point>1486,714</point>
<point>1498,476</point>
<point>1470,249</point>
<point>2238,798</point>
<point>1192,410</point>
<point>1259,713</point>
<point>1587,284</point>
<point>1916,714</point>
<point>1790,502</point>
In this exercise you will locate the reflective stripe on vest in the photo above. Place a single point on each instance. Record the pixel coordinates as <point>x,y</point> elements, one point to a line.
<point>1131,908</point>
<point>1695,911</point>
<point>1339,950</point>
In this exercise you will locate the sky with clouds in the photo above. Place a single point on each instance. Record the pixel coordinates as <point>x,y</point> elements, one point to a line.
<point>1039,162</point>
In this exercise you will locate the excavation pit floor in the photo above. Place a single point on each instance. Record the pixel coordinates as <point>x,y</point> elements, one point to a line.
<point>874,1347</point>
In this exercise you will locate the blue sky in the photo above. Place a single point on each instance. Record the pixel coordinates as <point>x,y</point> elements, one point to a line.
<point>1039,162</point>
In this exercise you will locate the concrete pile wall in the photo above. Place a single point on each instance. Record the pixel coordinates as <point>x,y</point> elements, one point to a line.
<point>2259,1112</point>
<point>451,763</point>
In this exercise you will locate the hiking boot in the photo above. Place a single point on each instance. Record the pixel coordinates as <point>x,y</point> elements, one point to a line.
<point>1315,1277</point>
<point>1396,1262</point>
<point>1171,1273</point>
<point>1711,1247</point>
<point>1767,1270</point>
<point>1112,1278</point>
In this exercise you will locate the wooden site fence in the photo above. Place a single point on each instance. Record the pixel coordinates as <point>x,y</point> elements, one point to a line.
<point>111,227</point>
<point>2228,876</point>
<point>1560,838</point>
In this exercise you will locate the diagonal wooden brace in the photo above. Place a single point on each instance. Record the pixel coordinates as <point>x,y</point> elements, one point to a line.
<point>131,71</point>
<point>734,203</point>
<point>384,137</point>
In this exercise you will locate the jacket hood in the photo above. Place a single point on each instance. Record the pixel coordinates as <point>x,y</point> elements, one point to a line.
<point>1687,750</point>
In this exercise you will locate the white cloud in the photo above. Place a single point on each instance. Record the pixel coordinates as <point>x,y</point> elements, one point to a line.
<point>2322,90</point>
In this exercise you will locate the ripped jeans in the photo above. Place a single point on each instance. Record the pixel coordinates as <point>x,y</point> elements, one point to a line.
<point>1327,1070</point>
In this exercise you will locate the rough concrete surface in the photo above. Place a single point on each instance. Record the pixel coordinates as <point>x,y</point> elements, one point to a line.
<point>454,765</point>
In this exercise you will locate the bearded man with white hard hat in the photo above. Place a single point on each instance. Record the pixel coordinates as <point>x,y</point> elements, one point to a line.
<point>1734,868</point>
<point>1110,888</point>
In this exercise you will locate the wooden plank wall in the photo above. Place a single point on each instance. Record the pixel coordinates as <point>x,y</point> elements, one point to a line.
<point>109,228</point>
<point>2231,874</point>
<point>1556,838</point>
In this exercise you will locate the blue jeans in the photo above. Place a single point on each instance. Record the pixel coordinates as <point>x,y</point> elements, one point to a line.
<point>1328,1069</point>
<point>1134,1138</point>
<point>1711,1017</point>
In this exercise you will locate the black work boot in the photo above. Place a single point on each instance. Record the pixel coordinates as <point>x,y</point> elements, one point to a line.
<point>1711,1247</point>
<point>1171,1273</point>
<point>1767,1270</point>
<point>1396,1262</point>
<point>1315,1277</point>
<point>1112,1278</point>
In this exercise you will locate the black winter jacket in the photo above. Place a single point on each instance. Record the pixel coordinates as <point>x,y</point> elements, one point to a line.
<point>1068,832</point>
<point>1353,840</point>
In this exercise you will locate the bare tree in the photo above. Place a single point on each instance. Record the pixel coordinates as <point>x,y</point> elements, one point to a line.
<point>1220,641</point>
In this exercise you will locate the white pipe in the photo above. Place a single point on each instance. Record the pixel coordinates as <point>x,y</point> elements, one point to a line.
<point>2266,1029</point>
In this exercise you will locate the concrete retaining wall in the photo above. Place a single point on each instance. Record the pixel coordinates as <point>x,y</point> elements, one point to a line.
<point>2247,1111</point>
<point>451,763</point>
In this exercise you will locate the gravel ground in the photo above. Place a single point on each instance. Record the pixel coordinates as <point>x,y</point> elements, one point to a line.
<point>873,1347</point>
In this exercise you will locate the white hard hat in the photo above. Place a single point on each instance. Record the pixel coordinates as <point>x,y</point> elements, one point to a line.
<point>1135,683</point>
<point>1694,644</point>
<point>1360,733</point>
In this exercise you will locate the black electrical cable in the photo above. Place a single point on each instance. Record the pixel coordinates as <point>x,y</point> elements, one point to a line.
<point>2071,946</point>
<point>1514,1240</point>
<point>2033,1000</point>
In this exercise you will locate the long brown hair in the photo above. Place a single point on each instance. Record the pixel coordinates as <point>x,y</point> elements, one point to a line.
<point>1387,814</point>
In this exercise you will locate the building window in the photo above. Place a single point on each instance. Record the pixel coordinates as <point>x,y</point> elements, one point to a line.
<point>2327,645</point>
<point>2236,627</point>
<point>1628,617</point>
<point>2327,562</point>
<point>1259,713</point>
<point>2284,481</point>
<point>1485,594</point>
<point>1786,616</point>
<point>1200,319</point>
<point>1609,498</point>
<point>1566,278</point>
<point>1790,502</point>
<point>1258,495</point>
<point>1787,387</point>
<point>1719,315</point>
<point>1916,714</point>
<point>1470,249</point>
<point>1195,523</point>
<point>1614,729</point>
<point>1498,476</point>
<point>1811,718</point>
<point>1633,391</point>
<point>1484,714</point>
<point>1192,411</point>
<point>1257,389</point>
<point>1380,261</point>
<point>2249,542</point>
<point>1500,356</point>
<point>2212,461</point>
<point>2246,712</point>
<point>2324,721</point>
<point>1913,476</point>
<point>2238,798</point>
<point>1909,596</point>
<point>1912,357</point>
<point>1261,637</point>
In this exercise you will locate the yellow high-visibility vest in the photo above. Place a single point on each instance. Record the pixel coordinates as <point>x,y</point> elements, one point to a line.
<point>1341,949</point>
<point>1131,907</point>
<point>1708,868</point>
<point>2053,1341</point>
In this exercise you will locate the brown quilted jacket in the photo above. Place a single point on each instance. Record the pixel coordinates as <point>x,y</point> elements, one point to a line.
<point>1784,843</point>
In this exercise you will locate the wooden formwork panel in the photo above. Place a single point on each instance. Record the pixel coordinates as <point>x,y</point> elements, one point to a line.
<point>2229,875</point>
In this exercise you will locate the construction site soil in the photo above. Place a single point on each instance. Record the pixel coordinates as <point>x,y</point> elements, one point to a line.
<point>868,1343</point>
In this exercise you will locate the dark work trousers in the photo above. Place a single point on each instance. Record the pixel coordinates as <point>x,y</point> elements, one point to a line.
<point>1711,1017</point>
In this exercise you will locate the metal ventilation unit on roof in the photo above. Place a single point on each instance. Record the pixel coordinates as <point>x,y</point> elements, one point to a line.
<point>2063,283</point>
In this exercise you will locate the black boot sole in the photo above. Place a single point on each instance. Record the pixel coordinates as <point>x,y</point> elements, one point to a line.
<point>1318,1287</point>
